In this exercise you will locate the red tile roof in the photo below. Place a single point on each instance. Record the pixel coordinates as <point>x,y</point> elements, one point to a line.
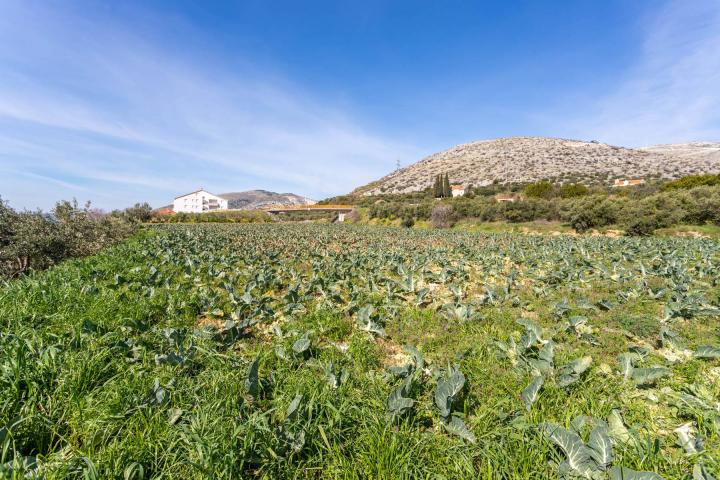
<point>628,183</point>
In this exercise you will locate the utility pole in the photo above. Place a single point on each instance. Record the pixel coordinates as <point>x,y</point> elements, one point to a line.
<point>397,164</point>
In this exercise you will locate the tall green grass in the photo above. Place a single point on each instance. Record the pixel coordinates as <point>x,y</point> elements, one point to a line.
<point>87,390</point>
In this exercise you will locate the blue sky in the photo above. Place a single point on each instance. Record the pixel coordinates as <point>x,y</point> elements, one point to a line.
<point>118,102</point>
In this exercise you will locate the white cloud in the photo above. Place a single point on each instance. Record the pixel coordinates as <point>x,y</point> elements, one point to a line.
<point>99,105</point>
<point>672,93</point>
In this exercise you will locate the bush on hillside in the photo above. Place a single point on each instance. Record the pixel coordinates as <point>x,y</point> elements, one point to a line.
<point>399,209</point>
<point>572,190</point>
<point>595,209</point>
<point>526,210</point>
<point>481,208</point>
<point>542,189</point>
<point>693,181</point>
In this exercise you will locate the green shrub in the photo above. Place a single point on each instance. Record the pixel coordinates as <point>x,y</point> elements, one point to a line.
<point>692,181</point>
<point>140,212</point>
<point>701,205</point>
<point>572,190</point>
<point>542,189</point>
<point>594,211</point>
<point>641,227</point>
<point>582,221</point>
<point>37,240</point>
<point>522,211</point>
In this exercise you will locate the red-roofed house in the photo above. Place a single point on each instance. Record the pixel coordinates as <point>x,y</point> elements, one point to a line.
<point>628,183</point>
<point>457,190</point>
<point>165,211</point>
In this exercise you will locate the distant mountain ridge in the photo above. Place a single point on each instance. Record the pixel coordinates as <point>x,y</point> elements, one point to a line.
<point>690,150</point>
<point>530,159</point>
<point>256,199</point>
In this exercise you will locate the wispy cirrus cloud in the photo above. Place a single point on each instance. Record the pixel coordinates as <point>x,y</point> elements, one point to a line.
<point>672,92</point>
<point>88,107</point>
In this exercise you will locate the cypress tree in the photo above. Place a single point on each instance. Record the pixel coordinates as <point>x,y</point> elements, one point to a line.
<point>446,187</point>
<point>436,187</point>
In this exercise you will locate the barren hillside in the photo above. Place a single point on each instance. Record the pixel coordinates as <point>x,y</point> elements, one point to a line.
<point>254,199</point>
<point>693,151</point>
<point>529,159</point>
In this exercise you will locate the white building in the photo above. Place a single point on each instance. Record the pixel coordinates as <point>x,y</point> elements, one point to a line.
<point>199,201</point>
<point>457,190</point>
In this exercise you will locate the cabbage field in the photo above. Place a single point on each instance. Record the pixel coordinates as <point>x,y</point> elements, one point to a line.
<point>323,351</point>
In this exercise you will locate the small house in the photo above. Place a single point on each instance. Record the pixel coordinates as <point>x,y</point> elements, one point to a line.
<point>199,201</point>
<point>457,190</point>
<point>628,183</point>
<point>164,211</point>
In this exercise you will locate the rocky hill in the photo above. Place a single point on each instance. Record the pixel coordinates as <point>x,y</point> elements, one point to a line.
<point>254,199</point>
<point>693,151</point>
<point>530,159</point>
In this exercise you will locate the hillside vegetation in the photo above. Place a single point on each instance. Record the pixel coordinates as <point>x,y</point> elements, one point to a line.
<point>703,151</point>
<point>531,159</point>
<point>325,352</point>
<point>641,210</point>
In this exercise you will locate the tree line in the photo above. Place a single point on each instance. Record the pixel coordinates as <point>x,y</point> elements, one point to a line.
<point>637,210</point>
